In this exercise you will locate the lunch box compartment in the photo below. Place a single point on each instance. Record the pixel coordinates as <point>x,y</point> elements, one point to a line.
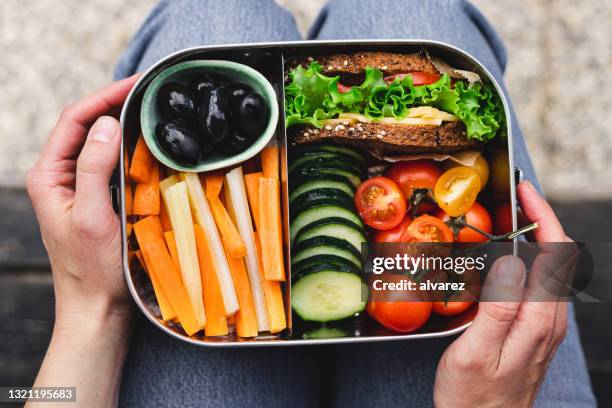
<point>269,59</point>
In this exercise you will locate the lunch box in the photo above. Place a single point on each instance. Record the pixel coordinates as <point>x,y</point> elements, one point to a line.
<point>269,59</point>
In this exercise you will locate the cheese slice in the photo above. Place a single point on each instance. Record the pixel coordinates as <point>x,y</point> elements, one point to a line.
<point>419,116</point>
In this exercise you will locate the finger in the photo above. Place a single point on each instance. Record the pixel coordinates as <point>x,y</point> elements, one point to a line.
<point>500,302</point>
<point>536,209</point>
<point>70,131</point>
<point>95,165</point>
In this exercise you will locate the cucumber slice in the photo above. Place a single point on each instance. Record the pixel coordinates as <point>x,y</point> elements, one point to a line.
<point>354,179</point>
<point>343,150</point>
<point>319,156</point>
<point>315,185</point>
<point>320,211</point>
<point>322,245</point>
<point>313,166</point>
<point>333,227</point>
<point>301,179</point>
<point>322,262</point>
<point>328,295</point>
<point>327,195</point>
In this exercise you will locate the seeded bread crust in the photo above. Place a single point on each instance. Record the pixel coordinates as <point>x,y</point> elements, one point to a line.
<point>384,139</point>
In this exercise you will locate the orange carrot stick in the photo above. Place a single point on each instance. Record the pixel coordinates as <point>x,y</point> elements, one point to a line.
<point>142,162</point>
<point>165,307</point>
<point>164,218</point>
<point>129,198</point>
<point>213,184</point>
<point>270,229</point>
<point>128,229</point>
<point>270,162</point>
<point>229,233</point>
<point>147,200</point>
<point>252,186</point>
<point>245,317</point>
<point>273,295</point>
<point>170,241</point>
<point>216,323</point>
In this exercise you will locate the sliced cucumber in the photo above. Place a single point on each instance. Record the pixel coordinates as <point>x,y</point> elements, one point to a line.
<point>316,185</point>
<point>323,245</point>
<point>323,194</point>
<point>314,166</point>
<point>320,211</point>
<point>353,178</point>
<point>333,227</point>
<point>301,179</point>
<point>328,295</point>
<point>322,262</point>
<point>343,150</point>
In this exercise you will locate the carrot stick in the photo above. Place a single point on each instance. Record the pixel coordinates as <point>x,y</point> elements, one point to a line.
<point>270,229</point>
<point>213,184</point>
<point>147,200</point>
<point>142,162</point>
<point>274,296</point>
<point>245,317</point>
<point>170,241</point>
<point>252,186</point>
<point>148,232</point>
<point>229,233</point>
<point>164,218</point>
<point>216,323</point>
<point>129,198</point>
<point>270,162</point>
<point>128,229</point>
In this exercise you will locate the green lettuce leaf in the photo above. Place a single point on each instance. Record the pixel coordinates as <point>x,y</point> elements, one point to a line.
<point>311,98</point>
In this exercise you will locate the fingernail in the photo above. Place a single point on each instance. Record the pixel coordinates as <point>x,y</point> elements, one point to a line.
<point>510,271</point>
<point>104,130</point>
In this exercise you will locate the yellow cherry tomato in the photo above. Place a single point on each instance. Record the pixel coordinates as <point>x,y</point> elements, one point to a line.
<point>480,165</point>
<point>456,190</point>
<point>500,172</point>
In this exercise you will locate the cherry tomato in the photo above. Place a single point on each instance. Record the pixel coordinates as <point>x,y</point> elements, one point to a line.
<point>418,78</point>
<point>426,228</point>
<point>399,233</point>
<point>476,216</point>
<point>343,88</point>
<point>480,165</point>
<point>409,311</point>
<point>503,219</point>
<point>500,172</point>
<point>450,308</point>
<point>415,174</point>
<point>456,190</point>
<point>380,203</point>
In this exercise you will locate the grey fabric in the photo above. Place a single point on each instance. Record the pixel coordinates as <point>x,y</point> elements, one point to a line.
<point>161,371</point>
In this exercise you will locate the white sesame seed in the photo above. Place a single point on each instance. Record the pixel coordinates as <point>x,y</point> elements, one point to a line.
<point>379,136</point>
<point>329,67</point>
<point>384,67</point>
<point>316,131</point>
<point>341,127</point>
<point>305,134</point>
<point>345,63</point>
<point>328,127</point>
<point>310,59</point>
<point>351,129</point>
<point>345,123</point>
<point>382,132</point>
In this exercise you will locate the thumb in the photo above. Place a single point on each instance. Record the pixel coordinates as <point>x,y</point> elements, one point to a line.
<point>499,304</point>
<point>95,165</point>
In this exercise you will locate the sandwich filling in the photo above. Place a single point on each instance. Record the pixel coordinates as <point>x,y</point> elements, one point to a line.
<point>418,99</point>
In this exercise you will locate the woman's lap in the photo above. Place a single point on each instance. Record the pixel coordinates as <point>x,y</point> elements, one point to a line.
<point>364,375</point>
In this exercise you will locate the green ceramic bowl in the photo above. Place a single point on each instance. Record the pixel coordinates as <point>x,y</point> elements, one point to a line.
<point>183,73</point>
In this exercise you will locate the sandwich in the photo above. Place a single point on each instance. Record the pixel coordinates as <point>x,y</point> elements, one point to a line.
<point>390,103</point>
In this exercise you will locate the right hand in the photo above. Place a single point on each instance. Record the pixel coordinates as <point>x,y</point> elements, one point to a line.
<point>501,359</point>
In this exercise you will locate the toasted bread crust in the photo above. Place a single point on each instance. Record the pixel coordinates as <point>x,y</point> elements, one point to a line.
<point>388,62</point>
<point>385,139</point>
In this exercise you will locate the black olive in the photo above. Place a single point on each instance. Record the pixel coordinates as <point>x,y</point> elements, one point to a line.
<point>237,142</point>
<point>236,92</point>
<point>179,142</point>
<point>202,85</point>
<point>215,118</point>
<point>176,101</point>
<point>253,115</point>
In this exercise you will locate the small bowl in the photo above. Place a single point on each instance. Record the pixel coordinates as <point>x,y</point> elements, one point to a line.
<point>183,73</point>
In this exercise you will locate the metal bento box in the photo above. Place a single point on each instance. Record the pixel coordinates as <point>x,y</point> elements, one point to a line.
<point>273,60</point>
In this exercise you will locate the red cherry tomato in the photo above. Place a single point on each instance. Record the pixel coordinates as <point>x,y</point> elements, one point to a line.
<point>503,219</point>
<point>450,308</point>
<point>476,216</point>
<point>461,301</point>
<point>418,78</point>
<point>415,174</point>
<point>380,203</point>
<point>343,88</point>
<point>426,228</point>
<point>398,233</point>
<point>402,311</point>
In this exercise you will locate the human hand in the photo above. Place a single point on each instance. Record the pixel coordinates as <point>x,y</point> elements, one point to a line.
<point>502,358</point>
<point>68,187</point>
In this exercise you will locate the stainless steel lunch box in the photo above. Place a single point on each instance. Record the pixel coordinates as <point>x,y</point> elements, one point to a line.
<point>271,56</point>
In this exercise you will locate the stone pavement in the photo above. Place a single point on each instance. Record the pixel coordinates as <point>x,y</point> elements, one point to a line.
<point>55,51</point>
